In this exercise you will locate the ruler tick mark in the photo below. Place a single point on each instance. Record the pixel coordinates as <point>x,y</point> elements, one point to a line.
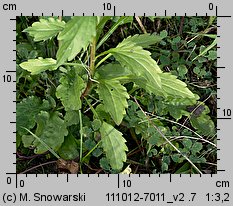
<point>224,118</point>
<point>221,170</point>
<point>224,16</point>
<point>9,71</point>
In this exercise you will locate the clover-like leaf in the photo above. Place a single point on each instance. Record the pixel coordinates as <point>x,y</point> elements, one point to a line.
<point>70,90</point>
<point>77,34</point>
<point>45,28</point>
<point>36,66</point>
<point>114,96</point>
<point>114,145</point>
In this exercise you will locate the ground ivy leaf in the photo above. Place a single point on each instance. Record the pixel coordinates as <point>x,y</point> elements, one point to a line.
<point>45,29</point>
<point>26,112</point>
<point>77,34</point>
<point>203,124</point>
<point>114,96</point>
<point>114,145</point>
<point>138,61</point>
<point>51,129</point>
<point>36,66</point>
<point>197,146</point>
<point>69,149</point>
<point>70,90</point>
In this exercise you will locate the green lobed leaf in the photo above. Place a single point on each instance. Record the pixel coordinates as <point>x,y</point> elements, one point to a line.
<point>70,90</point>
<point>26,112</point>
<point>45,29</point>
<point>114,96</point>
<point>114,145</point>
<point>51,129</point>
<point>36,66</point>
<point>71,117</point>
<point>138,61</point>
<point>69,149</point>
<point>118,21</point>
<point>114,71</point>
<point>77,34</point>
<point>172,86</point>
<point>144,40</point>
<point>102,20</point>
<point>177,107</point>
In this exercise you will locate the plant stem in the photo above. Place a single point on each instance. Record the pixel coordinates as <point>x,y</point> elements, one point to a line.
<point>81,137</point>
<point>91,150</point>
<point>91,68</point>
<point>140,24</point>
<point>92,58</point>
<point>102,60</point>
